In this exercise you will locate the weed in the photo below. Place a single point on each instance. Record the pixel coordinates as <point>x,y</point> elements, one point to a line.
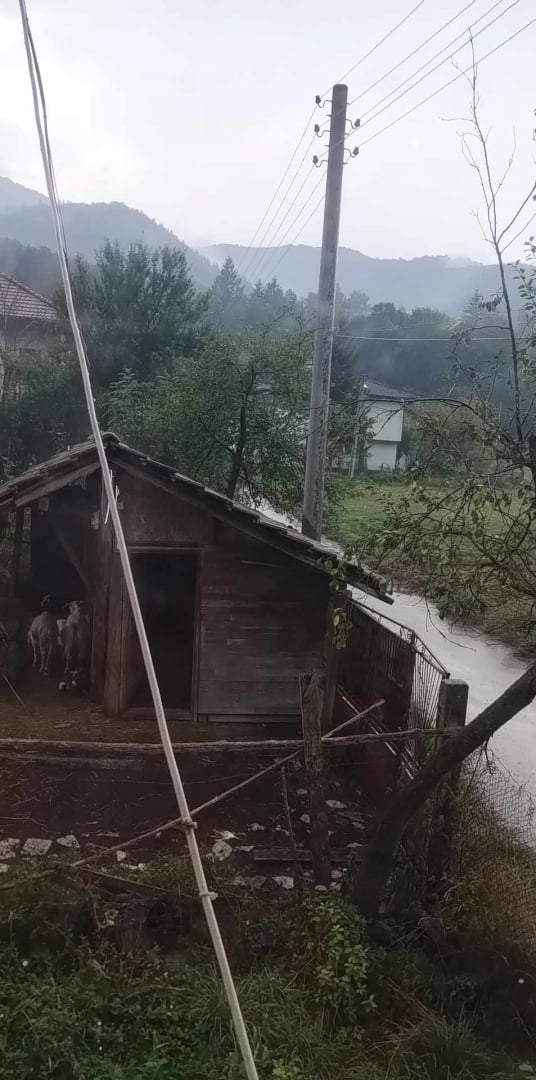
<point>332,948</point>
<point>89,1013</point>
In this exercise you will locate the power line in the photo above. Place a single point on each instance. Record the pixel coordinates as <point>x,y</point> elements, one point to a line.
<point>377,46</point>
<point>426,64</point>
<point>414,52</point>
<point>402,341</point>
<point>261,253</point>
<point>300,230</point>
<point>433,94</point>
<point>276,192</point>
<point>248,268</point>
<point>472,37</point>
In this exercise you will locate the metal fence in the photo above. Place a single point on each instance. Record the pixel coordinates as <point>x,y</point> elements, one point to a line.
<point>494,855</point>
<point>385,660</point>
<point>428,671</point>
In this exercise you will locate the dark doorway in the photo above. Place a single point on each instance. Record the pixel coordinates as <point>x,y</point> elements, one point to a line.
<point>53,571</point>
<point>166,584</point>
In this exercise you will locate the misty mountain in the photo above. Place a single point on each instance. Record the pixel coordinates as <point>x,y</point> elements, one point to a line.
<point>87,226</point>
<point>15,196</point>
<point>430,281</point>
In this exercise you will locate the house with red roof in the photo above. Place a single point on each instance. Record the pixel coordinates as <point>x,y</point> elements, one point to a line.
<point>27,324</point>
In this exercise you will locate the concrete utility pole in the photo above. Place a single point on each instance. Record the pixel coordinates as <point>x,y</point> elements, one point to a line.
<point>315,467</point>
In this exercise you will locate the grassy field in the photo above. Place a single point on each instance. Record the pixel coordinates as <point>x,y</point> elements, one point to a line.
<point>360,515</point>
<point>360,510</point>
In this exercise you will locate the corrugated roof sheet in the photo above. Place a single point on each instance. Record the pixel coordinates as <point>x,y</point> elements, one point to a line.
<point>65,463</point>
<point>17,301</point>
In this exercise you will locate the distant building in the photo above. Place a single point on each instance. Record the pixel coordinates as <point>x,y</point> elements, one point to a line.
<point>27,322</point>
<point>385,416</point>
<point>381,409</point>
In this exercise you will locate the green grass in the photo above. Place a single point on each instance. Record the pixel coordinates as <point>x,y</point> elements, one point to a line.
<point>321,1000</point>
<point>360,510</point>
<point>360,514</point>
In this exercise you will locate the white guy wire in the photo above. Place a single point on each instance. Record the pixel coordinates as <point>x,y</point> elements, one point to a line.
<point>189,826</point>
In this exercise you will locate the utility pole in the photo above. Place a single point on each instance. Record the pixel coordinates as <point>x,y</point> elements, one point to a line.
<point>315,467</point>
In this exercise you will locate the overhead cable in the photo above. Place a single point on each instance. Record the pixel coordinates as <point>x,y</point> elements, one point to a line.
<point>378,44</point>
<point>298,234</point>
<point>450,82</point>
<point>417,49</point>
<point>248,267</point>
<point>252,268</point>
<point>280,185</point>
<point>427,74</point>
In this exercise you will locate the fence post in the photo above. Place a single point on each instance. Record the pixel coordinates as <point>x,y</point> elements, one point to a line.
<point>313,753</point>
<point>451,716</point>
<point>452,709</point>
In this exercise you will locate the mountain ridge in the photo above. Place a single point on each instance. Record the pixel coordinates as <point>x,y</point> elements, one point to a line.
<point>25,217</point>
<point>435,281</point>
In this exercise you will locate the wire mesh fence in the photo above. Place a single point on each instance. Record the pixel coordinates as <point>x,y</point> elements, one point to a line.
<point>494,855</point>
<point>427,671</point>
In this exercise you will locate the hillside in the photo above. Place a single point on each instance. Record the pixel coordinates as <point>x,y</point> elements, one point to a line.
<point>431,281</point>
<point>87,226</point>
<point>14,196</point>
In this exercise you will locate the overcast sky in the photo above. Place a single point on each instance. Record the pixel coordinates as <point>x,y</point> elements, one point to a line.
<point>190,111</point>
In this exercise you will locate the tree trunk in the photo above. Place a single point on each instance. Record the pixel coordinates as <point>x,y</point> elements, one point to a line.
<point>380,855</point>
<point>238,455</point>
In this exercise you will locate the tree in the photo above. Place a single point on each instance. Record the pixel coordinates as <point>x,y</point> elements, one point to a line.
<point>479,533</point>
<point>50,414</point>
<point>227,287</point>
<point>137,308</point>
<point>472,312</point>
<point>446,441</point>
<point>233,417</point>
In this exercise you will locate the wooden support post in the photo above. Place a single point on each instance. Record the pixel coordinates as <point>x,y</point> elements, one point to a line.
<point>452,705</point>
<point>99,651</point>
<point>452,708</point>
<point>338,602</point>
<point>312,701</point>
<point>16,552</point>
<point>451,716</point>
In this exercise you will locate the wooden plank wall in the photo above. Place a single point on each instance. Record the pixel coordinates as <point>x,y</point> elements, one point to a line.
<point>263,624</point>
<point>262,614</point>
<point>150,516</point>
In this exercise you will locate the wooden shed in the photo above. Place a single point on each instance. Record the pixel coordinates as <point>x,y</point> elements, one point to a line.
<point>235,603</point>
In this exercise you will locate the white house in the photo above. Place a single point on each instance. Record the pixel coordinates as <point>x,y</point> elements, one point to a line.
<point>385,419</point>
<point>382,410</point>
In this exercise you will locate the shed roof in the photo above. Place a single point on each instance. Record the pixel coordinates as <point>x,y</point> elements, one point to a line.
<point>18,301</point>
<point>78,461</point>
<point>376,390</point>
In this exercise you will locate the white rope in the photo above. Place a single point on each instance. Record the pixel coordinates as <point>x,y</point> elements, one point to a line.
<point>202,885</point>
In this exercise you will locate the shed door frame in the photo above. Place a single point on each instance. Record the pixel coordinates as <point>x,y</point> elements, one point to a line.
<point>127,628</point>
